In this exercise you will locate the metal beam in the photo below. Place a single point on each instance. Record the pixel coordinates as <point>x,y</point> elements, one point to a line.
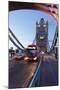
<point>14,43</point>
<point>54,39</point>
<point>51,9</point>
<point>16,38</point>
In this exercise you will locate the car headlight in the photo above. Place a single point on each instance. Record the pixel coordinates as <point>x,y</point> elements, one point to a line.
<point>26,58</point>
<point>35,58</point>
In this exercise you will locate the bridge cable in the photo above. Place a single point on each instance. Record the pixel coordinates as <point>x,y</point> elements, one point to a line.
<point>15,38</point>
<point>14,43</point>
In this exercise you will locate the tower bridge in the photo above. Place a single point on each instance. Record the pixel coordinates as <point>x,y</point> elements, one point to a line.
<point>44,72</point>
<point>42,35</point>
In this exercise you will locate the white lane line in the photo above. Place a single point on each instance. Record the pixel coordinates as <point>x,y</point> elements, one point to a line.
<point>35,74</point>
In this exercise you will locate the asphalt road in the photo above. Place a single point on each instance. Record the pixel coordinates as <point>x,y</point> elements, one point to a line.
<point>20,73</point>
<point>49,71</point>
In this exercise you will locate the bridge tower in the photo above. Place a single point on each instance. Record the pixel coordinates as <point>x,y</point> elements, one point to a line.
<point>42,35</point>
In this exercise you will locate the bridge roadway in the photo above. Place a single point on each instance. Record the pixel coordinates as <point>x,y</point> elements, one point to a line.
<point>21,73</point>
<point>49,71</point>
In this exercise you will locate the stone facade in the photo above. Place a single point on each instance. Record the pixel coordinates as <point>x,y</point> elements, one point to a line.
<point>42,35</point>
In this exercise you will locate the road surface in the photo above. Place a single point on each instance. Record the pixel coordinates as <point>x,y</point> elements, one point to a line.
<point>20,73</point>
<point>49,71</point>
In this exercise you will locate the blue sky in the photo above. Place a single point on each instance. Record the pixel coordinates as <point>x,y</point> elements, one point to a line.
<point>23,24</point>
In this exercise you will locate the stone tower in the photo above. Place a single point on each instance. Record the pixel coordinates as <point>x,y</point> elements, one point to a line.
<point>42,35</point>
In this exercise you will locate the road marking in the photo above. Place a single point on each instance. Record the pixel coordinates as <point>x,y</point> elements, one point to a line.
<point>35,74</point>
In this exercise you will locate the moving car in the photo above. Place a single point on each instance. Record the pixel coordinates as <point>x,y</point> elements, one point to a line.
<point>18,57</point>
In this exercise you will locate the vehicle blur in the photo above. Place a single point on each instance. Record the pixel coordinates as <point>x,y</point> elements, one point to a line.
<point>31,53</point>
<point>18,57</point>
